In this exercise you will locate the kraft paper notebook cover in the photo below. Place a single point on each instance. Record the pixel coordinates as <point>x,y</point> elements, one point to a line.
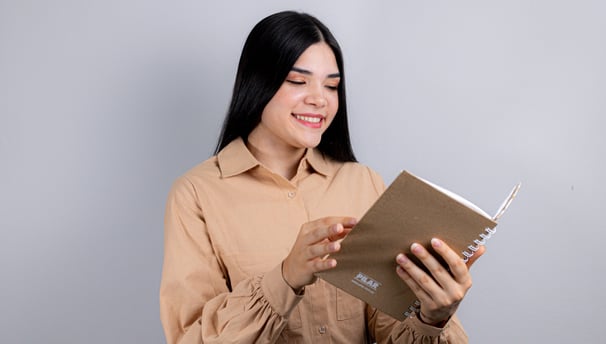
<point>410,210</point>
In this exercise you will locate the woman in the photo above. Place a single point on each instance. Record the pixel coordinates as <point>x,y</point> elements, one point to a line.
<point>247,229</point>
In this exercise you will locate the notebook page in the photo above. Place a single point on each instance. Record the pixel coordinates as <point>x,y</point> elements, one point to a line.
<point>458,198</point>
<point>507,202</point>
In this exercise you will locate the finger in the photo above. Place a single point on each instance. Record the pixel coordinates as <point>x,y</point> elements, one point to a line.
<point>326,228</point>
<point>317,265</point>
<point>425,281</point>
<point>439,273</point>
<point>347,221</point>
<point>337,238</point>
<point>324,234</point>
<point>419,292</point>
<point>458,269</point>
<point>322,249</point>
<point>341,234</point>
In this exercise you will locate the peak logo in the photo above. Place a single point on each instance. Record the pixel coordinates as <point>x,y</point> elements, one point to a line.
<point>366,282</point>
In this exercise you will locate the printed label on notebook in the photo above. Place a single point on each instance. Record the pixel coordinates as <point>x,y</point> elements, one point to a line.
<point>365,282</point>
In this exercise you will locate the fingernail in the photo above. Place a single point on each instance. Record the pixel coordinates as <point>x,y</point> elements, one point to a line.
<point>352,222</point>
<point>338,228</point>
<point>415,248</point>
<point>335,246</point>
<point>401,259</point>
<point>435,242</point>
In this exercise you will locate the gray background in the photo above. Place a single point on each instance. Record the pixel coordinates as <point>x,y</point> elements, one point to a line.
<point>104,103</point>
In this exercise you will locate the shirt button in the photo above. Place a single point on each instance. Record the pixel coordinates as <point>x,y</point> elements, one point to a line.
<point>292,194</point>
<point>322,329</point>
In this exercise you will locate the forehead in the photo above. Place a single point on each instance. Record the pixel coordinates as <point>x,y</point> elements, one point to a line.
<point>318,58</point>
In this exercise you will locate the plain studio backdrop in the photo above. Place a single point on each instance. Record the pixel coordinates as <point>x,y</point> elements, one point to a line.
<point>104,103</point>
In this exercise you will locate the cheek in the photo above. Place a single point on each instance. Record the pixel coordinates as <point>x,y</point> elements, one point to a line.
<point>333,106</point>
<point>288,96</point>
<point>281,101</point>
<point>273,113</point>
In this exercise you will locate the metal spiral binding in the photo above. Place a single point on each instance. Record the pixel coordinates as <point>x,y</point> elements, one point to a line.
<point>415,308</point>
<point>471,249</point>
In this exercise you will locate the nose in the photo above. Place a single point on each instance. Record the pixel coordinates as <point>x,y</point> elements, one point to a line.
<point>316,97</point>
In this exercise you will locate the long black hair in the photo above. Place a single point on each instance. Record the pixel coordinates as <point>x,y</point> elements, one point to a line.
<point>271,49</point>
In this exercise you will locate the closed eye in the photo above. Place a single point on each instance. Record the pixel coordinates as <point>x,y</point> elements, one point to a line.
<point>295,82</point>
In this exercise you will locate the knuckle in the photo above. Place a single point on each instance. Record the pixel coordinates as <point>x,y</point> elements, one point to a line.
<point>458,296</point>
<point>309,251</point>
<point>424,280</point>
<point>305,229</point>
<point>443,302</point>
<point>439,270</point>
<point>326,221</point>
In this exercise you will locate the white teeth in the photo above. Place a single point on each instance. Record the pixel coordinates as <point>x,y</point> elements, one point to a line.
<point>309,119</point>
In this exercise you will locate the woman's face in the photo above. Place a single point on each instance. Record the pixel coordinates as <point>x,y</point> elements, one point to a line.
<point>305,104</point>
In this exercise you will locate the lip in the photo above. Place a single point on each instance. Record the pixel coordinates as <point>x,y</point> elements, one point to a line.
<point>310,120</point>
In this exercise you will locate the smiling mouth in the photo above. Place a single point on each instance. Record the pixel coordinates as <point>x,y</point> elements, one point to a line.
<point>309,119</point>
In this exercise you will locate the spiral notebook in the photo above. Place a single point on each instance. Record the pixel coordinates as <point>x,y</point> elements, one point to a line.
<point>410,210</point>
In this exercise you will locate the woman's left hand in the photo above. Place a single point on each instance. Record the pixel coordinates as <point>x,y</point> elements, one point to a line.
<point>441,295</point>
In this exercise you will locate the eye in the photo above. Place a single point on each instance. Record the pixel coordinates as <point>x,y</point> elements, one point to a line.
<point>332,87</point>
<point>295,82</point>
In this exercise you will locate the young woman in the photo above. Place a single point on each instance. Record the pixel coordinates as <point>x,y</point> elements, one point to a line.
<point>247,229</point>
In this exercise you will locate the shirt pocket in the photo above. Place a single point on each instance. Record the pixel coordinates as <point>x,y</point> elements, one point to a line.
<point>294,320</point>
<point>348,307</point>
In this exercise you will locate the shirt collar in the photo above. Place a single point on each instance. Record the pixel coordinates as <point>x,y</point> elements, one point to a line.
<point>318,161</point>
<point>235,158</point>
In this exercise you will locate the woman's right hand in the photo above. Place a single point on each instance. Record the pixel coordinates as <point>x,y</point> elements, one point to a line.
<point>316,239</point>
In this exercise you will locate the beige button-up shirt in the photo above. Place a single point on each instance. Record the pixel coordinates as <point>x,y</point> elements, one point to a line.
<point>229,224</point>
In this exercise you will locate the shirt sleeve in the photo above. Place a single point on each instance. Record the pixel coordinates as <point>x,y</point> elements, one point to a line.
<point>196,303</point>
<point>386,329</point>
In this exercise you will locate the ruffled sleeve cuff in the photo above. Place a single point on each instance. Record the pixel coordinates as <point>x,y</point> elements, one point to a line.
<point>278,293</point>
<point>424,329</point>
<point>452,332</point>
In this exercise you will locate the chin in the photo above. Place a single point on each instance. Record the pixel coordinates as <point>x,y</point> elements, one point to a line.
<point>311,143</point>
<point>310,140</point>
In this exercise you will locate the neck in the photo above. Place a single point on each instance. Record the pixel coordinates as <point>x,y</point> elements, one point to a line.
<point>279,159</point>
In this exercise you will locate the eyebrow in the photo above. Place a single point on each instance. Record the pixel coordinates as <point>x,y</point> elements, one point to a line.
<point>307,72</point>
